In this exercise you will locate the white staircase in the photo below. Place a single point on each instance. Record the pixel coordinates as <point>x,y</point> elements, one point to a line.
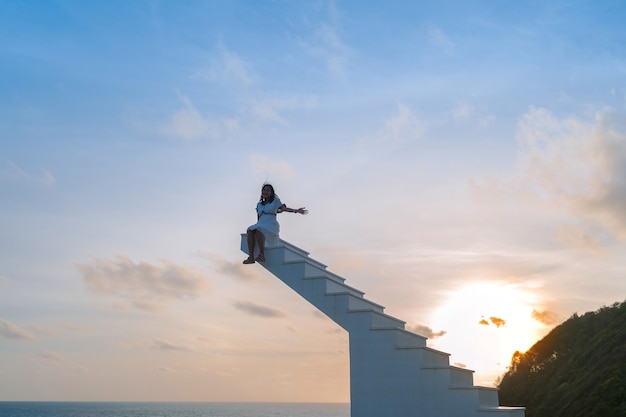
<point>392,371</point>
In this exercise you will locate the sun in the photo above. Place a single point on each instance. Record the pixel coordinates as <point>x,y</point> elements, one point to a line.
<point>485,323</point>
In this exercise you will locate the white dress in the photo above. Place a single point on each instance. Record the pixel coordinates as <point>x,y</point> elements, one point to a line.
<point>267,223</point>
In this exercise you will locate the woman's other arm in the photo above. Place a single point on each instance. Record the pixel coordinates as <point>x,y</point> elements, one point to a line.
<point>300,210</point>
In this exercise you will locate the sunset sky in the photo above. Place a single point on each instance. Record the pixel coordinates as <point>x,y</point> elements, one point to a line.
<point>463,162</point>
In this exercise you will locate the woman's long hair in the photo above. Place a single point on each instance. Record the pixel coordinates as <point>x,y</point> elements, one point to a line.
<point>271,197</point>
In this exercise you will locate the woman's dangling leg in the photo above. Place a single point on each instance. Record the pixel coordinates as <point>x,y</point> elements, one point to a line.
<point>261,241</point>
<point>251,239</point>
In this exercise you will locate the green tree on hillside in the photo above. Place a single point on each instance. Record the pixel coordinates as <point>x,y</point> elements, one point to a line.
<point>577,370</point>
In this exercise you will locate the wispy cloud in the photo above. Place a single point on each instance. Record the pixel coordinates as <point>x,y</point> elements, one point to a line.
<point>4,280</point>
<point>148,287</point>
<point>264,165</point>
<point>232,269</point>
<point>190,124</point>
<point>10,172</point>
<point>325,43</point>
<point>426,331</point>
<point>12,331</point>
<point>466,111</point>
<point>574,166</point>
<point>77,328</point>
<point>253,309</point>
<point>51,356</point>
<point>402,126</point>
<point>168,346</point>
<point>270,108</point>
<point>579,166</point>
<point>227,66</point>
<point>328,46</point>
<point>575,236</point>
<point>549,318</point>
<point>439,39</point>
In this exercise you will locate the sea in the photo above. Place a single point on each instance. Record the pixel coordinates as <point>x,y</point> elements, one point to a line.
<point>173,409</point>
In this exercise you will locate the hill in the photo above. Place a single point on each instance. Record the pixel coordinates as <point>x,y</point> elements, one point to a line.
<point>577,370</point>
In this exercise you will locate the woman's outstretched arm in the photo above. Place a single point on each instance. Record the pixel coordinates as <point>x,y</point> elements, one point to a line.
<point>300,210</point>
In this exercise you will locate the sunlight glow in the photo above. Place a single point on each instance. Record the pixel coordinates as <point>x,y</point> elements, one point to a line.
<point>485,323</point>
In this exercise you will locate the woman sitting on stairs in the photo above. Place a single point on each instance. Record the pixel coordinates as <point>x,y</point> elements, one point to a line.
<point>266,227</point>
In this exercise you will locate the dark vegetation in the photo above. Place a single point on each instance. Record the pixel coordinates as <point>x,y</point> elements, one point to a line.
<point>577,370</point>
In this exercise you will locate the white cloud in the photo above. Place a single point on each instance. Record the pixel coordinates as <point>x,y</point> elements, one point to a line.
<point>326,44</point>
<point>233,269</point>
<point>580,166</point>
<point>263,165</point>
<point>462,111</point>
<point>466,111</point>
<point>147,287</point>
<point>47,178</point>
<point>402,126</point>
<point>439,39</point>
<point>227,66</point>
<point>265,112</point>
<point>269,108</point>
<point>11,330</point>
<point>10,172</point>
<point>189,124</point>
<point>329,46</point>
<point>573,166</point>
<point>399,122</point>
<point>575,236</point>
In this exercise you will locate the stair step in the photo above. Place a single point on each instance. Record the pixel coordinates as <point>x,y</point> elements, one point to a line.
<point>461,376</point>
<point>486,396</point>
<point>293,248</point>
<point>502,411</point>
<point>333,286</point>
<point>291,256</point>
<point>378,319</point>
<point>313,268</point>
<point>403,338</point>
<point>357,303</point>
<point>427,357</point>
<point>457,376</point>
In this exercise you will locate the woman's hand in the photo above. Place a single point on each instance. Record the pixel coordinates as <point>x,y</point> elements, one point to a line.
<point>301,210</point>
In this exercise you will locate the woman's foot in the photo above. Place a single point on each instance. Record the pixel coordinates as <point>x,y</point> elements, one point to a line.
<point>260,258</point>
<point>249,260</point>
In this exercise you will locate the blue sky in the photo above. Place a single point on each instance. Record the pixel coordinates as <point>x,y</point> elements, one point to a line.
<point>463,163</point>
